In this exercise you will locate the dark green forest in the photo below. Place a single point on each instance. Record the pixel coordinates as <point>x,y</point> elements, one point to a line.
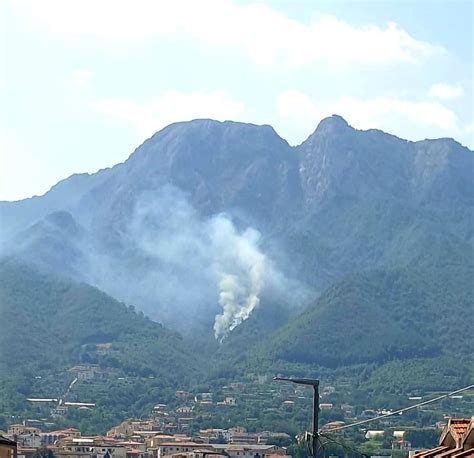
<point>383,334</point>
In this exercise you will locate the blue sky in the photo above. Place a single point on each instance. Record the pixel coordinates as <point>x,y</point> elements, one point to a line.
<point>83,83</point>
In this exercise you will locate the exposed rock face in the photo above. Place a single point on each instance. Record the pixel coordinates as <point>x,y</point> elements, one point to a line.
<point>343,201</point>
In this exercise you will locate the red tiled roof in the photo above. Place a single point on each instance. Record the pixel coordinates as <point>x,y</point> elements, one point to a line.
<point>449,452</point>
<point>458,429</point>
<point>431,452</point>
<point>459,426</point>
<point>466,454</point>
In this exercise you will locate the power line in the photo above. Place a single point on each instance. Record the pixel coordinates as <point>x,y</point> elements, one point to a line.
<point>344,446</point>
<point>405,409</point>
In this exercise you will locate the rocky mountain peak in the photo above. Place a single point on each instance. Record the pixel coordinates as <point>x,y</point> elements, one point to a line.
<point>332,125</point>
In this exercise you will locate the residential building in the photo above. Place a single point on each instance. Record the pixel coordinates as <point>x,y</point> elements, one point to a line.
<point>53,436</point>
<point>374,433</point>
<point>456,441</point>
<point>193,449</point>
<point>94,446</point>
<point>84,372</point>
<point>17,429</point>
<point>326,406</point>
<point>8,448</point>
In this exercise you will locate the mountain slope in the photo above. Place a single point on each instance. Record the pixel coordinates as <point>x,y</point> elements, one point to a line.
<point>52,324</point>
<point>373,200</point>
<point>343,201</point>
<point>379,316</point>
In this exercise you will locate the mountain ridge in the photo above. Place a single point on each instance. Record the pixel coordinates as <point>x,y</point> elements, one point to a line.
<point>343,201</point>
<point>85,175</point>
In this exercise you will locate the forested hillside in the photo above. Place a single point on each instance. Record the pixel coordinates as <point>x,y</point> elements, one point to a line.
<point>50,325</point>
<point>376,317</point>
<point>342,202</point>
<point>348,257</point>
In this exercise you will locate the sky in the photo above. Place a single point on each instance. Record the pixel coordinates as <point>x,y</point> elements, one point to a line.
<point>85,82</point>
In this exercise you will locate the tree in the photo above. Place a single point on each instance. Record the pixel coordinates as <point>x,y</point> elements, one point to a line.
<point>43,452</point>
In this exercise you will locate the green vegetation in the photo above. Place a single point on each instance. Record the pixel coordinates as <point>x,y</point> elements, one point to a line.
<point>51,324</point>
<point>378,337</point>
<point>378,317</point>
<point>43,452</point>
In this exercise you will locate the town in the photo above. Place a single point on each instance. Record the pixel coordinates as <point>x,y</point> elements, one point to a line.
<point>144,439</point>
<point>227,422</point>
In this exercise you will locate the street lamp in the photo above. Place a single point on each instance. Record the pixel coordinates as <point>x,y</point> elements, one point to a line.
<point>315,384</point>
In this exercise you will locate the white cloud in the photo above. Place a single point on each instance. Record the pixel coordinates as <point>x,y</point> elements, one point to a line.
<point>446,91</point>
<point>266,34</point>
<point>81,79</point>
<point>18,165</point>
<point>299,110</point>
<point>295,103</point>
<point>366,113</point>
<point>148,117</point>
<point>388,113</point>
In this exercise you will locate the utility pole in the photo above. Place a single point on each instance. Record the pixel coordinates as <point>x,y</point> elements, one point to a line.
<point>315,424</point>
<point>314,442</point>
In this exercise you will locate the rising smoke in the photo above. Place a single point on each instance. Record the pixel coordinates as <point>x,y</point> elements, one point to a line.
<point>206,256</point>
<point>242,272</point>
<point>188,271</point>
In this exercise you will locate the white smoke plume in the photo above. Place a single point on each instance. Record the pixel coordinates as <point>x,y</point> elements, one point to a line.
<point>212,256</point>
<point>242,272</point>
<point>186,270</point>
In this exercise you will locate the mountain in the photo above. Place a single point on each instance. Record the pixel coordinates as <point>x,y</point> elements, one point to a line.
<point>51,324</point>
<point>376,317</point>
<point>165,229</point>
<point>373,200</point>
<point>349,257</point>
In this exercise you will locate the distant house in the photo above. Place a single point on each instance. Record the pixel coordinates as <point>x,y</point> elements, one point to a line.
<point>265,436</point>
<point>368,413</point>
<point>374,434</point>
<point>327,390</point>
<point>58,412</point>
<point>184,423</point>
<point>131,427</point>
<point>53,436</point>
<point>17,429</point>
<point>42,400</point>
<point>326,406</point>
<point>230,401</point>
<point>91,446</point>
<point>249,450</point>
<point>215,435</point>
<point>84,372</point>
<point>401,444</point>
<point>333,425</point>
<point>28,440</point>
<point>193,449</point>
<point>79,405</point>
<point>456,441</point>
<point>348,410</point>
<point>184,409</point>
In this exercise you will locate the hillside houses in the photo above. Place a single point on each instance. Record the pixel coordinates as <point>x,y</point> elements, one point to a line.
<point>193,449</point>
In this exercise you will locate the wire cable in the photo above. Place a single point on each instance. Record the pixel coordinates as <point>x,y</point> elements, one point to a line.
<point>345,446</point>
<point>396,412</point>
